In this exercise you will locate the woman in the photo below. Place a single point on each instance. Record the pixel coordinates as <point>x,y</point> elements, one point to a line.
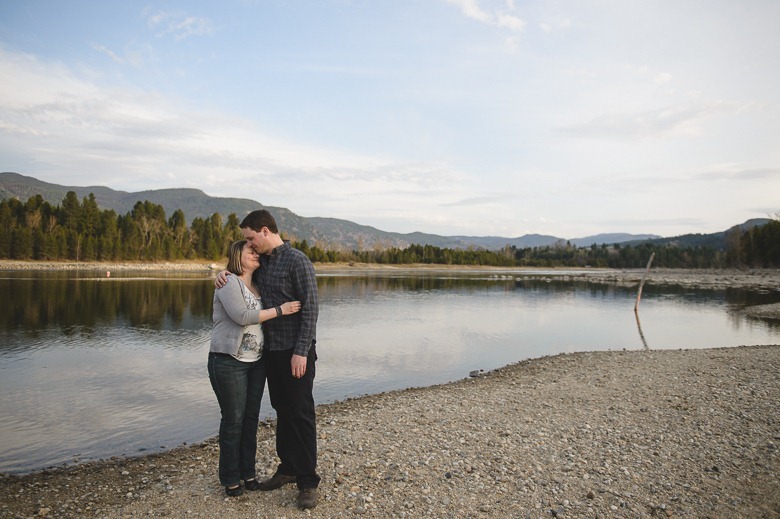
<point>236,368</point>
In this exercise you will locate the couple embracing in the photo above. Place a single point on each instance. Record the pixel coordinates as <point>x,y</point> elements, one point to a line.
<point>265,319</point>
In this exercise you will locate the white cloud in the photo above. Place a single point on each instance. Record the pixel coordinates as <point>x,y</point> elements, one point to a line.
<point>678,120</point>
<point>471,9</point>
<point>180,25</point>
<point>495,17</point>
<point>555,25</point>
<point>510,22</point>
<point>108,52</point>
<point>734,173</point>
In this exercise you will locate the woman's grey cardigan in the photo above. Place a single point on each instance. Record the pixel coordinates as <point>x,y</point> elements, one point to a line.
<point>230,316</point>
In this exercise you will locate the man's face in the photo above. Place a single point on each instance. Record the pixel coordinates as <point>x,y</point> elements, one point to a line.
<point>257,239</point>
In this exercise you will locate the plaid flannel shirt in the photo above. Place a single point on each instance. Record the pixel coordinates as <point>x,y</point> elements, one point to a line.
<point>287,275</point>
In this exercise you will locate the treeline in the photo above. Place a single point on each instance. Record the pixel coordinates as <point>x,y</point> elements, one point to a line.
<point>757,247</point>
<point>79,230</point>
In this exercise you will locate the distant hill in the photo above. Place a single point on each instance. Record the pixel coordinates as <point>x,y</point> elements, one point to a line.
<point>194,202</point>
<point>598,239</point>
<point>715,240</point>
<point>330,233</point>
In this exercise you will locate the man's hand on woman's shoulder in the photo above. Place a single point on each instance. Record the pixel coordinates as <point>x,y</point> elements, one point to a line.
<point>221,280</point>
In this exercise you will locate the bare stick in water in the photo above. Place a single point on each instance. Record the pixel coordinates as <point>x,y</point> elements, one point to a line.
<point>642,283</point>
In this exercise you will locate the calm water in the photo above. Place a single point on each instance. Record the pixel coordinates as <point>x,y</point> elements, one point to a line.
<point>93,367</point>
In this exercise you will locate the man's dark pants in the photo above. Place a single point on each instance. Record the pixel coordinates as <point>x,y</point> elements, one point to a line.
<point>296,428</point>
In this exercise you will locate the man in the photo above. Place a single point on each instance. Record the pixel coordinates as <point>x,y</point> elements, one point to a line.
<point>286,274</point>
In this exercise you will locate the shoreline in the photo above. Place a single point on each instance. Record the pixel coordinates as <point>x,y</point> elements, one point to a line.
<point>669,433</point>
<point>707,277</point>
<point>760,280</point>
<point>189,266</point>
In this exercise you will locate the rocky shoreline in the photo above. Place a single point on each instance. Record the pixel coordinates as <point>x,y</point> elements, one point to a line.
<point>673,433</point>
<point>766,279</point>
<point>103,266</point>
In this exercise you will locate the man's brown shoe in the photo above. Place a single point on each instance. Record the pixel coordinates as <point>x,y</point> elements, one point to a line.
<point>276,481</point>
<point>307,498</point>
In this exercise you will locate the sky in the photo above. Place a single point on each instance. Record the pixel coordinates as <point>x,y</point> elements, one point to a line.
<point>454,117</point>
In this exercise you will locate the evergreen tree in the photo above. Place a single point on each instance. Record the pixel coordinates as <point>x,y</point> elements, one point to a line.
<point>177,229</point>
<point>6,228</point>
<point>71,211</point>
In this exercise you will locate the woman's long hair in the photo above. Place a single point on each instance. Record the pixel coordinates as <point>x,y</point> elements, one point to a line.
<point>234,257</point>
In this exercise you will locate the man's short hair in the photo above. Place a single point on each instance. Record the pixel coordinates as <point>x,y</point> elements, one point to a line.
<point>258,219</point>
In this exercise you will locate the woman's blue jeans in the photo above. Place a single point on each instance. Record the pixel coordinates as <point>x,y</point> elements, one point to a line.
<point>239,389</point>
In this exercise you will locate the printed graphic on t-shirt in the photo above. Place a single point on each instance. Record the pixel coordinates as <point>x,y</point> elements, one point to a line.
<point>251,347</point>
<point>249,343</point>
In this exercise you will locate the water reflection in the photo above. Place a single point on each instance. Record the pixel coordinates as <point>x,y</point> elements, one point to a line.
<point>127,355</point>
<point>77,306</point>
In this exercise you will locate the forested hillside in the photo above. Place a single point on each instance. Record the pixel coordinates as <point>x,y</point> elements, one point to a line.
<point>79,230</point>
<point>327,233</point>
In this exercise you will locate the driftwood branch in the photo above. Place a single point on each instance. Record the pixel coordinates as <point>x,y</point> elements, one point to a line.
<point>642,283</point>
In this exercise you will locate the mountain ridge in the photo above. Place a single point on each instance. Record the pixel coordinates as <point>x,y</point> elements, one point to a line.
<point>327,233</point>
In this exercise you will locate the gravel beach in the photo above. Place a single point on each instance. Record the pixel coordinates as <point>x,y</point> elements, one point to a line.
<point>671,433</point>
<point>675,433</point>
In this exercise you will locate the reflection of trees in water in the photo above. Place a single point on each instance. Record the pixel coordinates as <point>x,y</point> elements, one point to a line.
<point>733,296</point>
<point>354,286</point>
<point>73,304</point>
<point>739,320</point>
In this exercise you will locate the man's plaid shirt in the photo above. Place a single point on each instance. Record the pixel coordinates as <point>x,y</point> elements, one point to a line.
<point>287,275</point>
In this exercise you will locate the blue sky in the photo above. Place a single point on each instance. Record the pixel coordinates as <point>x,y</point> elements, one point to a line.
<point>453,117</point>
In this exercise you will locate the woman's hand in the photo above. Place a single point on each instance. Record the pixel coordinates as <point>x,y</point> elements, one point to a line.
<point>290,307</point>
